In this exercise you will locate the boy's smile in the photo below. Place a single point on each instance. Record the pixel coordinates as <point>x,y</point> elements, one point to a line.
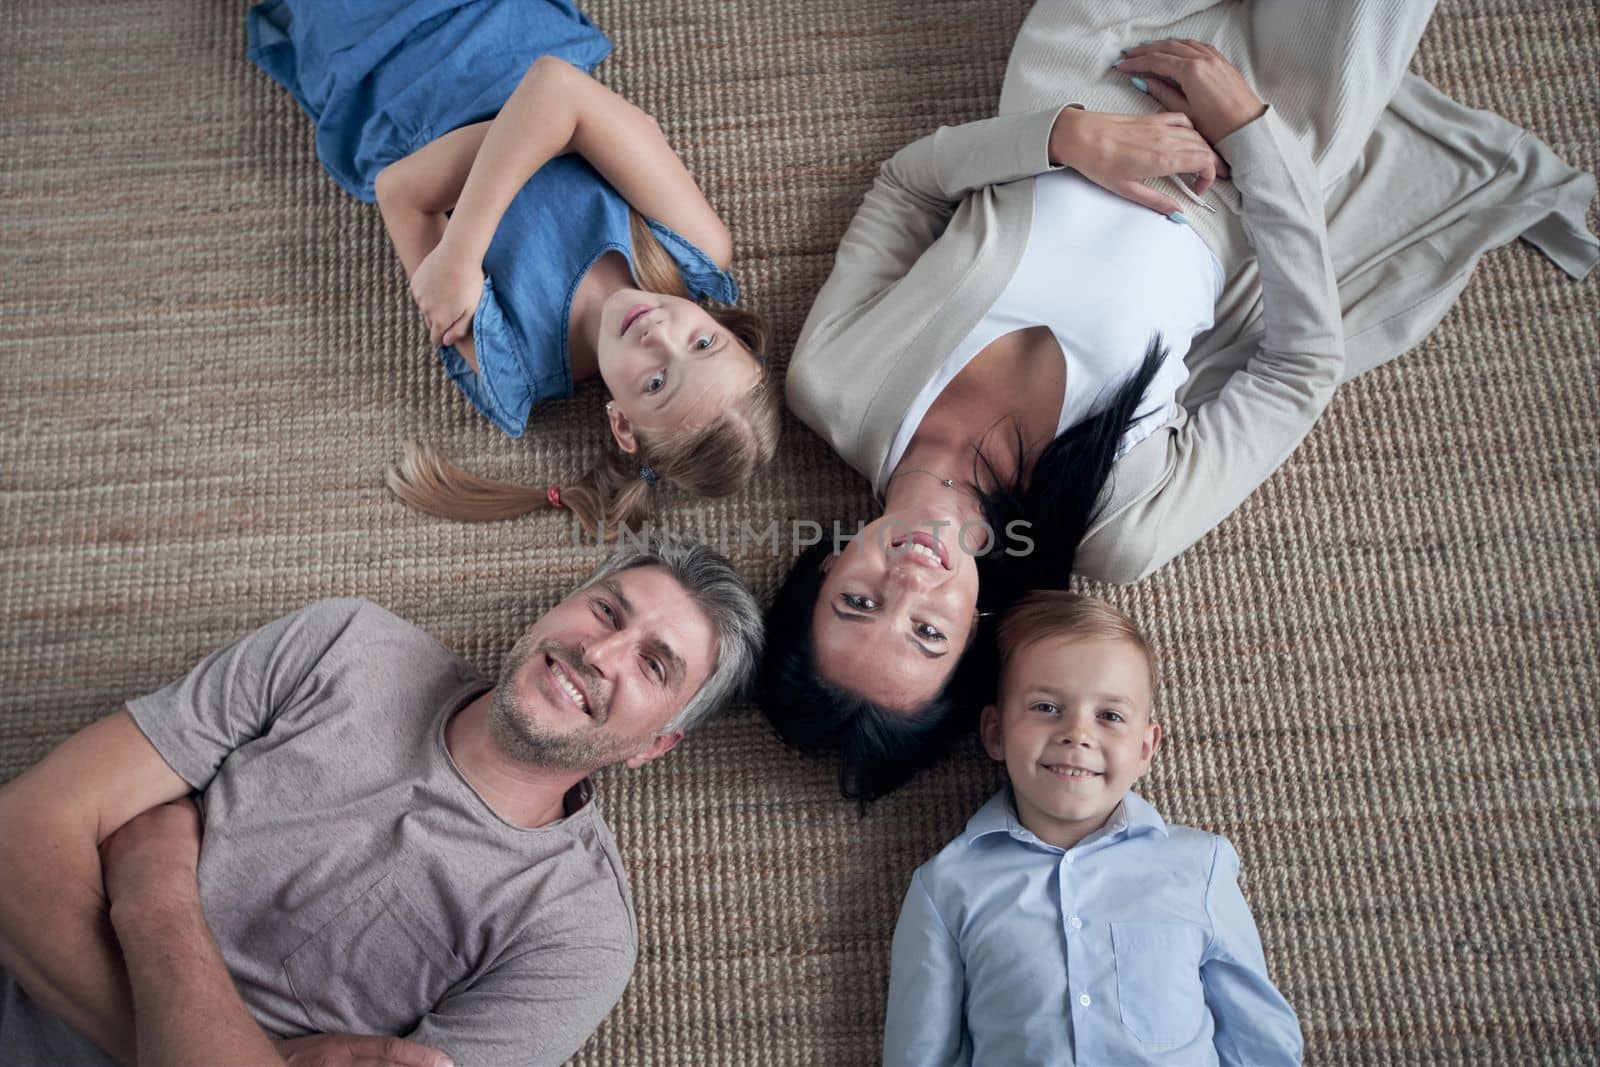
<point>1073,728</point>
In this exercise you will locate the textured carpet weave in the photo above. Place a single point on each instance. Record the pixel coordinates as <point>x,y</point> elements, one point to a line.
<point>1378,677</point>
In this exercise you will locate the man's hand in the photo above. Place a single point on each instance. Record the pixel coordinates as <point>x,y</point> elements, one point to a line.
<point>1193,78</point>
<point>1117,152</point>
<point>447,289</point>
<point>154,856</point>
<point>358,1050</point>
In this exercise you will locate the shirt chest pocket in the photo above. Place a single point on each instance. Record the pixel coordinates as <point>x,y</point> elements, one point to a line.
<point>1159,995</point>
<point>375,967</point>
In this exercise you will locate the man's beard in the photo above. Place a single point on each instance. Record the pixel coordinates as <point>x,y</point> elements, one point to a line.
<point>518,735</point>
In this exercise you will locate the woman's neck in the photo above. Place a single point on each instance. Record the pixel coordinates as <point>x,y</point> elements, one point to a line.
<point>608,274</point>
<point>919,480</point>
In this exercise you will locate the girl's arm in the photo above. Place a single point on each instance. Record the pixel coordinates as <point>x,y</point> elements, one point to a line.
<point>556,109</point>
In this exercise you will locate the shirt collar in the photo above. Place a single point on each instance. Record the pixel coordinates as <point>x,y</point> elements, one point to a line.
<point>1132,817</point>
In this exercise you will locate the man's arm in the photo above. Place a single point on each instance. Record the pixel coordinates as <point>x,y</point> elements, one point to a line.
<point>186,1009</point>
<point>55,937</point>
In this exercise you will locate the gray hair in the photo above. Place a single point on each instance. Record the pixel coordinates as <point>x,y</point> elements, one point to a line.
<point>713,584</point>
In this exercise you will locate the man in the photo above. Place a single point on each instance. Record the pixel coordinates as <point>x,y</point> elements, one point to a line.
<point>391,847</point>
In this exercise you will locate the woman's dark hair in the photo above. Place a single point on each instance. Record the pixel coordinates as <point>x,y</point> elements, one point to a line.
<point>881,748</point>
<point>1060,497</point>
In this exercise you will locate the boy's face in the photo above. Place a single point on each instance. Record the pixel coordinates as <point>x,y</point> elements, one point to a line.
<point>1073,729</point>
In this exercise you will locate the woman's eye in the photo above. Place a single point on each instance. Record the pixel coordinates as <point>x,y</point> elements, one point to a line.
<point>860,603</point>
<point>657,381</point>
<point>928,632</point>
<point>705,341</point>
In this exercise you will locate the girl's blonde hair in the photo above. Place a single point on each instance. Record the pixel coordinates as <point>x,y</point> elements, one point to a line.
<point>710,461</point>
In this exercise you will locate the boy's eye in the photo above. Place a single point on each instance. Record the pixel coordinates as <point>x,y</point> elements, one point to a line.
<point>1045,707</point>
<point>705,341</point>
<point>1112,716</point>
<point>657,381</point>
<point>860,603</point>
<point>928,632</point>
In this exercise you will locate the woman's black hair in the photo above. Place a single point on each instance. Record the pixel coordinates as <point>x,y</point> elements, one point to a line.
<point>882,748</point>
<point>1060,497</point>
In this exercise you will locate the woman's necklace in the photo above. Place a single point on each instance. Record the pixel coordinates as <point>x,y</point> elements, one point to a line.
<point>948,483</point>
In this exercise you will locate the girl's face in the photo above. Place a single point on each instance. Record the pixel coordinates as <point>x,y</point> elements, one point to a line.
<point>668,364</point>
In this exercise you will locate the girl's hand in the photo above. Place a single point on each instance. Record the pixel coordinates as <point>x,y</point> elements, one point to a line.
<point>447,290</point>
<point>1193,78</point>
<point>1117,152</point>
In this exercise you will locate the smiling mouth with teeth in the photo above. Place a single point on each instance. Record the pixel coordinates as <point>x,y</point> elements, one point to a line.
<point>1070,772</point>
<point>559,670</point>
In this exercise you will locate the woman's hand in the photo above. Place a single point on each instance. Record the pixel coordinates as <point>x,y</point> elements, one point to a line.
<point>1117,152</point>
<point>447,289</point>
<point>1193,78</point>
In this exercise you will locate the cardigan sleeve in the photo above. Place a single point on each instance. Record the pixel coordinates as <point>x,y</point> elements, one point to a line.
<point>1176,485</point>
<point>916,192</point>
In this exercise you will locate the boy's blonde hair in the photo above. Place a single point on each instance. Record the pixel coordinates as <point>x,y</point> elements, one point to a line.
<point>1046,614</point>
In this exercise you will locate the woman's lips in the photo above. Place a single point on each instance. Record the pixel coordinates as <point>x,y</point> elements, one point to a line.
<point>933,553</point>
<point>633,315</point>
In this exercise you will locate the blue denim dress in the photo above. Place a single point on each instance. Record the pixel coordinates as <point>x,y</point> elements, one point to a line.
<point>382,79</point>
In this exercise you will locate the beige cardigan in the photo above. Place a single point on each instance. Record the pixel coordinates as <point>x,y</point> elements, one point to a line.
<point>945,224</point>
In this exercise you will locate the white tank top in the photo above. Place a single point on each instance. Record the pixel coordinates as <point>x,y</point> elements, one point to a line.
<point>1105,275</point>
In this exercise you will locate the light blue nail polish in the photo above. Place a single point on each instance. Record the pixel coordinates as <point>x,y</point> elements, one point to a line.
<point>1140,84</point>
<point>1179,217</point>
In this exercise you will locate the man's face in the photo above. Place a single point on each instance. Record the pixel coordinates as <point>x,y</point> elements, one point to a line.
<point>596,680</point>
<point>1073,729</point>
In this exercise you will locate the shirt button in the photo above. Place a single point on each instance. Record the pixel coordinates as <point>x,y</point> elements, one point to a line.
<point>1077,923</point>
<point>1083,998</point>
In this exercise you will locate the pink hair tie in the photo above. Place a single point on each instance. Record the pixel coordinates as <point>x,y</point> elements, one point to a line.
<point>553,494</point>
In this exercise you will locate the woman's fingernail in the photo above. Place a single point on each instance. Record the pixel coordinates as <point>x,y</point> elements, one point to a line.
<point>1179,217</point>
<point>1146,42</point>
<point>1140,84</point>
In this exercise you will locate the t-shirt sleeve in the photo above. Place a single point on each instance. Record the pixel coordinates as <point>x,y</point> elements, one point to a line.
<point>535,1008</point>
<point>234,695</point>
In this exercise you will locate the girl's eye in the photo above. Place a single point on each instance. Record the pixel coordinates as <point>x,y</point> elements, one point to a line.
<point>657,381</point>
<point>1048,709</point>
<point>928,632</point>
<point>705,341</point>
<point>860,603</point>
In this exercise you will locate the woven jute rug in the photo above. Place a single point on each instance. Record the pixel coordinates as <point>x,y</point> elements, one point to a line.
<point>1378,677</point>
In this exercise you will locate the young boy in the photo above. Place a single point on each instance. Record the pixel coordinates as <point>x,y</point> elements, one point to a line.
<point>1068,924</point>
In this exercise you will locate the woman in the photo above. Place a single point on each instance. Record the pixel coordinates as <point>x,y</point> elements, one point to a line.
<point>982,351</point>
<point>550,235</point>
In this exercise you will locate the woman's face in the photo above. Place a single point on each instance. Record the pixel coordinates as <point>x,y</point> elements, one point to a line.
<point>896,610</point>
<point>667,363</point>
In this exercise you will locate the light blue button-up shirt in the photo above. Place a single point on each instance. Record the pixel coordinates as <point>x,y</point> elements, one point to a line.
<point>1133,946</point>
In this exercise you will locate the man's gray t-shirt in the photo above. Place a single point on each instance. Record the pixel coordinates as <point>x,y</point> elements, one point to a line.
<point>352,878</point>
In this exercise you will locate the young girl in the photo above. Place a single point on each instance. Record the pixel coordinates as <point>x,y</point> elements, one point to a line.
<point>550,235</point>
